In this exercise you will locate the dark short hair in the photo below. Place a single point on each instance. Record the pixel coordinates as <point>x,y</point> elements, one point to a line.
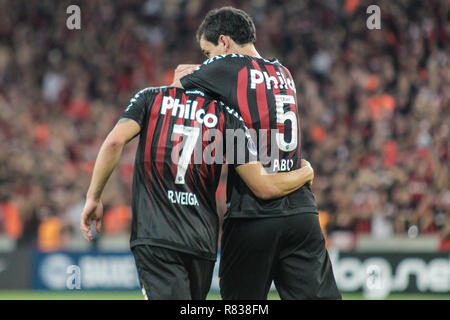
<point>228,21</point>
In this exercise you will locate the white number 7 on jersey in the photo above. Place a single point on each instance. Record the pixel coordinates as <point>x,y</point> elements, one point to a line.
<point>191,134</point>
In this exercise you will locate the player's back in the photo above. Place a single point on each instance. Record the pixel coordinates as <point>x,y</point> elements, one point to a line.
<point>173,186</point>
<point>263,92</point>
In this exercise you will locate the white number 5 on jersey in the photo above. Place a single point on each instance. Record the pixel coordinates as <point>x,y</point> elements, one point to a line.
<point>282,117</point>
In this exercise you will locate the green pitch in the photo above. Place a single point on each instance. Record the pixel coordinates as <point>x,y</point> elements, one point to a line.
<point>88,295</point>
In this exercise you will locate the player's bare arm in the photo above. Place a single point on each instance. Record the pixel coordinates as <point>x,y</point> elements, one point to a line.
<point>269,186</point>
<point>108,156</point>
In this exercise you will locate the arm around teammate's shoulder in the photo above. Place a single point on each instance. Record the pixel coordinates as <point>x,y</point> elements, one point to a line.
<point>270,186</point>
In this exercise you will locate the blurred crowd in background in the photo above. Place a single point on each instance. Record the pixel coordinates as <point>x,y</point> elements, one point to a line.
<point>374,106</point>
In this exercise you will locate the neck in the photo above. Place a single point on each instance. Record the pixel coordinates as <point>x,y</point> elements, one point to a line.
<point>248,50</point>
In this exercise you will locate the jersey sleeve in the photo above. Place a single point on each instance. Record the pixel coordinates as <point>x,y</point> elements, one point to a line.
<point>217,76</point>
<point>137,108</point>
<point>239,145</point>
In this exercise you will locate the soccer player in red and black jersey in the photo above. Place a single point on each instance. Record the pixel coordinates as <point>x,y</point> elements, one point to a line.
<point>174,231</point>
<point>263,240</point>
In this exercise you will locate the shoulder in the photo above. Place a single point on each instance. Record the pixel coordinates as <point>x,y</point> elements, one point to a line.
<point>146,92</point>
<point>226,59</point>
<point>230,114</point>
<point>143,96</point>
<point>153,90</point>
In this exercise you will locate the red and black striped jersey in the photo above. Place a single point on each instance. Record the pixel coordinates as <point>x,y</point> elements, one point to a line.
<point>183,144</point>
<point>263,92</point>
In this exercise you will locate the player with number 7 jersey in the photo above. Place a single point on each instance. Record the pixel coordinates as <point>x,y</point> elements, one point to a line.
<point>173,185</point>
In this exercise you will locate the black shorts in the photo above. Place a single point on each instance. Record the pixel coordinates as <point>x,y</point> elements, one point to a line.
<point>166,274</point>
<point>288,250</point>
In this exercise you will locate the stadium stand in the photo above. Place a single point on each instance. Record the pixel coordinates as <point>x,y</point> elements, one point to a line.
<point>375,106</point>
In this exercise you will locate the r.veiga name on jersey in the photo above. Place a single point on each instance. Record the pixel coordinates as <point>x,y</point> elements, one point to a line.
<point>188,111</point>
<point>182,197</point>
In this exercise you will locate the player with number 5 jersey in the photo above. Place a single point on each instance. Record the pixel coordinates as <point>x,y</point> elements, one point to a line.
<point>276,240</point>
<point>264,94</point>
